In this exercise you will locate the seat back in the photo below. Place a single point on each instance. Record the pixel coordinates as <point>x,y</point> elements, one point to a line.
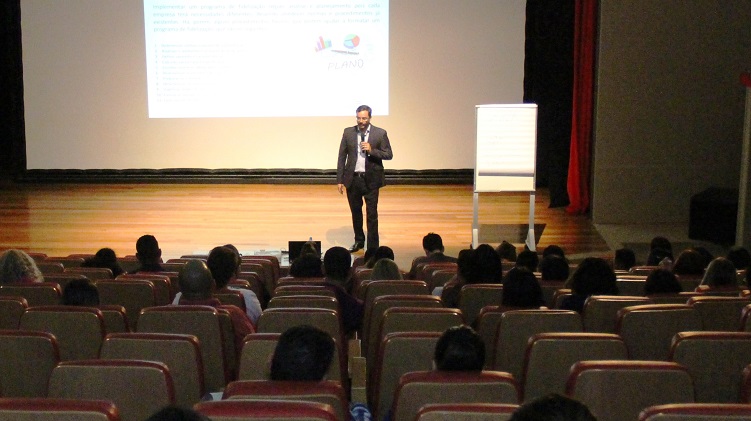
<point>517,326</point>
<point>119,381</point>
<point>649,329</point>
<point>631,287</point>
<point>417,389</point>
<point>26,361</point>
<point>715,361</point>
<point>164,288</point>
<point>375,289</point>
<point>307,289</point>
<point>204,323</point>
<point>79,330</point>
<point>473,297</point>
<point>399,353</point>
<point>696,412</point>
<point>232,298</point>
<point>36,294</point>
<point>549,357</point>
<point>325,392</point>
<point>679,298</point>
<point>304,301</point>
<point>239,410</point>
<point>487,326</point>
<point>719,313</point>
<point>115,318</point>
<point>466,412</point>
<point>180,353</point>
<point>48,268</point>
<point>600,311</point>
<point>379,306</point>
<point>93,274</point>
<point>619,390</point>
<point>67,262</point>
<point>258,348</point>
<point>548,291</point>
<point>11,310</point>
<point>134,295</point>
<point>48,409</point>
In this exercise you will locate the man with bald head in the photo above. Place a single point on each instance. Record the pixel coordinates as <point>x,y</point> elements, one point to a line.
<point>197,287</point>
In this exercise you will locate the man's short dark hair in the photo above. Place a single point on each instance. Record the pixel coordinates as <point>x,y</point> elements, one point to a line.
<point>553,407</point>
<point>365,108</point>
<point>147,247</point>
<point>460,348</point>
<point>302,353</point>
<point>80,292</point>
<point>528,259</point>
<point>432,242</point>
<point>336,263</point>
<point>625,259</point>
<point>223,263</point>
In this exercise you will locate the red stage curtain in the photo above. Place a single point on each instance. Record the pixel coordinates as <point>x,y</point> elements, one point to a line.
<point>580,159</point>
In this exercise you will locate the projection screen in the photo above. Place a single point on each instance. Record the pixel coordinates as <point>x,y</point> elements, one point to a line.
<point>261,84</point>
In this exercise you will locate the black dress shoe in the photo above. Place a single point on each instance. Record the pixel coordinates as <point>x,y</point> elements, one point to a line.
<point>356,247</point>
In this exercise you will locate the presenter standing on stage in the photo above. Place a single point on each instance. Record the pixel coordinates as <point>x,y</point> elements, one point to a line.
<point>360,170</point>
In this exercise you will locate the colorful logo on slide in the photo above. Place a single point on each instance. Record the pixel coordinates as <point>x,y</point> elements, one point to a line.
<point>351,41</point>
<point>322,44</point>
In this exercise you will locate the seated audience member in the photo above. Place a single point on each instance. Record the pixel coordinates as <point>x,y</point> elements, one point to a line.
<point>662,281</point>
<point>460,348</point>
<point>593,276</point>
<point>660,257</point>
<point>528,260</point>
<point>662,243</point>
<point>522,290</point>
<point>105,258</point>
<point>149,254</point>
<point>624,259</point>
<point>689,263</point>
<point>308,263</point>
<point>18,267</point>
<point>721,276</point>
<point>177,413</point>
<point>554,268</point>
<point>382,252</point>
<point>740,257</point>
<point>197,286</point>
<point>303,353</point>
<point>708,256</point>
<point>432,244</point>
<point>336,266</point>
<point>485,266</point>
<point>553,250</point>
<point>224,264</point>
<point>385,269</point>
<point>553,407</point>
<point>453,287</point>
<point>80,292</point>
<point>506,251</point>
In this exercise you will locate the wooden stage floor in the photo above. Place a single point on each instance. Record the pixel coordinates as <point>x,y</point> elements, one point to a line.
<point>61,219</point>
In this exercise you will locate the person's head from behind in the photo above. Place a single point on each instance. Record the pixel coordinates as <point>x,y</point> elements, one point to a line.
<point>195,280</point>
<point>460,348</point>
<point>464,264</point>
<point>302,353</point>
<point>224,263</point>
<point>309,247</point>
<point>521,289</point>
<point>432,242</point>
<point>740,257</point>
<point>147,249</point>
<point>625,259</point>
<point>385,270</point>
<point>307,265</point>
<point>721,272</point>
<point>593,276</point>
<point>382,252</point>
<point>661,242</point>
<point>80,292</point>
<point>528,259</point>
<point>17,266</point>
<point>662,281</point>
<point>485,266</point>
<point>336,263</point>
<point>506,251</point>
<point>689,262</point>
<point>554,268</point>
<point>553,407</point>
<point>553,249</point>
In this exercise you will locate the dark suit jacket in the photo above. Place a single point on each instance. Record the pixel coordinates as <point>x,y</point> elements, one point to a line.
<point>348,150</point>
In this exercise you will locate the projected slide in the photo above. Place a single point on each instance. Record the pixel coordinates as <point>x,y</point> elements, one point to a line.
<point>266,58</point>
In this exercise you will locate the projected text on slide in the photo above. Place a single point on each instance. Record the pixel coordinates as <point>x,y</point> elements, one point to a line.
<point>266,58</point>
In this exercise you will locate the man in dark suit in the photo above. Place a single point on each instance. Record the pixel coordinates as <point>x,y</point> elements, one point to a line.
<point>360,170</point>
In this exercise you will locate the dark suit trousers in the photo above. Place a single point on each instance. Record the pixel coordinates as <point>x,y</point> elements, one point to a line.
<point>356,192</point>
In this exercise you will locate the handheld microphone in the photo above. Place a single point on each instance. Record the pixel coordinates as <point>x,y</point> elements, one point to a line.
<point>362,140</point>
